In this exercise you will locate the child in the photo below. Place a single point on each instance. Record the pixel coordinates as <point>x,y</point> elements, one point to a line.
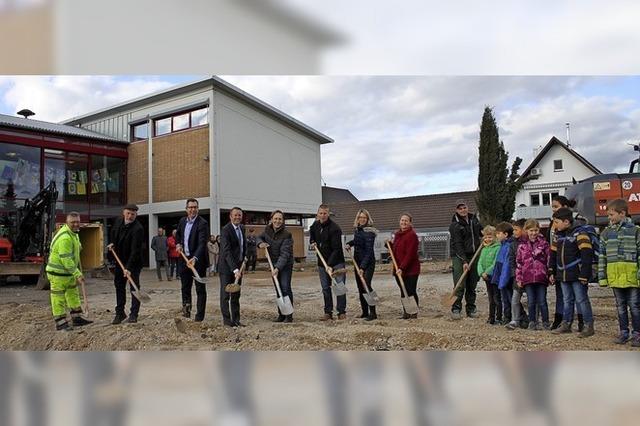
<point>502,269</point>
<point>518,313</point>
<point>485,270</point>
<point>618,268</point>
<point>531,273</point>
<point>570,266</point>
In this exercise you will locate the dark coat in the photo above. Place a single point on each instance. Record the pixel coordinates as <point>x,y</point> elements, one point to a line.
<point>231,254</point>
<point>328,238</point>
<point>363,242</point>
<point>571,257</point>
<point>198,238</point>
<point>280,246</point>
<point>128,242</point>
<point>466,236</point>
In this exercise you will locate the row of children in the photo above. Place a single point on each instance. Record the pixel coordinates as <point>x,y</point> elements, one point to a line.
<point>517,259</point>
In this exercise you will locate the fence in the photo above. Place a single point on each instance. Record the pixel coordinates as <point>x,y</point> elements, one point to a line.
<point>432,246</point>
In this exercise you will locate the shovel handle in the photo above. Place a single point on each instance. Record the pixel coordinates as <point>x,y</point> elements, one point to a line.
<point>84,297</point>
<point>133,284</point>
<point>361,275</point>
<point>275,278</point>
<point>395,266</point>
<point>190,266</point>
<point>464,274</point>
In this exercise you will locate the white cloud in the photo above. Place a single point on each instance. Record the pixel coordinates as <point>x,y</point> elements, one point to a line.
<point>62,97</point>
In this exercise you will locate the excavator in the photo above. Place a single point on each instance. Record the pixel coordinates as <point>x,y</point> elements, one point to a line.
<point>593,194</point>
<point>24,247</point>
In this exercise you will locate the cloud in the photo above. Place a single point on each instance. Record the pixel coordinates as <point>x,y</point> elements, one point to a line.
<point>399,136</point>
<point>62,97</point>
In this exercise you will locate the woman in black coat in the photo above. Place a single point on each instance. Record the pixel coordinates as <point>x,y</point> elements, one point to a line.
<point>279,242</point>
<point>364,238</point>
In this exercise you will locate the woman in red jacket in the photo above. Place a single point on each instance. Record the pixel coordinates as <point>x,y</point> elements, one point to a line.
<point>405,250</point>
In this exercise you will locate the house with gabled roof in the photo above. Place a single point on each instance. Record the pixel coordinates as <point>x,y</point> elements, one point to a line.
<point>554,167</point>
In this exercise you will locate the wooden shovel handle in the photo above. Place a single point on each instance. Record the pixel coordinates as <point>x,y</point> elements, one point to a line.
<point>275,278</point>
<point>464,274</point>
<point>135,286</point>
<point>395,265</point>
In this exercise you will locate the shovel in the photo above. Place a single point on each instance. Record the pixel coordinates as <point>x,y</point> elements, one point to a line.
<point>408,303</point>
<point>339,288</point>
<point>84,298</point>
<point>449,299</point>
<point>196,275</point>
<point>234,287</point>
<point>283,302</point>
<point>139,294</point>
<point>371,297</point>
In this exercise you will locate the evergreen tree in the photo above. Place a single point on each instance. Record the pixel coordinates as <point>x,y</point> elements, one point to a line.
<point>497,185</point>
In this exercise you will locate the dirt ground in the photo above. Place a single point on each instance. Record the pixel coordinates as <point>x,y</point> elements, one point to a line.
<point>27,323</point>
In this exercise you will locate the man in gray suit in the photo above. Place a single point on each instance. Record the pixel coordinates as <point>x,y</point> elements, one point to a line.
<point>233,249</point>
<point>159,246</point>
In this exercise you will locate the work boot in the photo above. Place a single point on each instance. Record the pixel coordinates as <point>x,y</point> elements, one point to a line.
<point>564,328</point>
<point>622,338</point>
<point>557,319</point>
<point>326,317</point>
<point>120,316</point>
<point>79,321</point>
<point>62,324</point>
<point>372,314</point>
<point>288,318</point>
<point>587,330</point>
<point>342,316</point>
<point>186,310</point>
<point>580,322</point>
<point>280,318</point>
<point>364,314</point>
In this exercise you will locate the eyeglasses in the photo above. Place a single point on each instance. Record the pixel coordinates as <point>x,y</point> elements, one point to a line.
<point>192,207</point>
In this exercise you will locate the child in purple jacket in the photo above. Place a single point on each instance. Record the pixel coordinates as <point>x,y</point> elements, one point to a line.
<point>531,273</point>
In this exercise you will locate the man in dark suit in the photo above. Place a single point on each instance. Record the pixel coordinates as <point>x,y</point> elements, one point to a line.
<point>233,248</point>
<point>127,239</point>
<point>191,238</point>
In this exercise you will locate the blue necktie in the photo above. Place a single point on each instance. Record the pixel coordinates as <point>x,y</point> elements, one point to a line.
<point>239,235</point>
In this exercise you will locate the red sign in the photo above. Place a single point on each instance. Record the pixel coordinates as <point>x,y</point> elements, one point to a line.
<point>631,193</point>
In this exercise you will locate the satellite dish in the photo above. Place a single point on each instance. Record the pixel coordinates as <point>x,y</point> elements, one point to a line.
<point>26,113</point>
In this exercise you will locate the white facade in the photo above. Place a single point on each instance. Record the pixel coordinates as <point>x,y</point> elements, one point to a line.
<point>556,171</point>
<point>258,160</point>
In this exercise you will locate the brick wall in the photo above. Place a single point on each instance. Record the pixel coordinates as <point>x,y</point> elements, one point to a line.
<point>137,173</point>
<point>173,155</point>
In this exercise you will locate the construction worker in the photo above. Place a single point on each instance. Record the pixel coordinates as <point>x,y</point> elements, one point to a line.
<point>65,273</point>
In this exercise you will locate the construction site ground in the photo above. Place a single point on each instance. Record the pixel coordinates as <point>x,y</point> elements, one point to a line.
<point>27,322</point>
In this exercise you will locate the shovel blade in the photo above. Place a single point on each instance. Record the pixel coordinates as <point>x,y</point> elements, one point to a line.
<point>232,288</point>
<point>141,296</point>
<point>409,304</point>
<point>368,297</point>
<point>339,288</point>
<point>285,306</point>
<point>448,300</point>
<point>374,295</point>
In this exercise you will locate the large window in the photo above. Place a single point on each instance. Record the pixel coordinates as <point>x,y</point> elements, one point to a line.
<point>181,121</point>
<point>543,198</point>
<point>19,171</point>
<point>141,132</point>
<point>107,186</point>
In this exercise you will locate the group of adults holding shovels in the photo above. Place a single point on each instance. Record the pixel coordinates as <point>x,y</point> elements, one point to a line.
<point>126,246</point>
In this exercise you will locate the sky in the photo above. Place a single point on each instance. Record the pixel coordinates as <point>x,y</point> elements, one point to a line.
<point>395,135</point>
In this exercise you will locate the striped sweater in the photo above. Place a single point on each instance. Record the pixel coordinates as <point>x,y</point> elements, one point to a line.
<point>618,265</point>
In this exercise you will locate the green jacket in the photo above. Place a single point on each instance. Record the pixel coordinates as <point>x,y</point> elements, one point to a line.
<point>64,258</point>
<point>487,259</point>
<point>618,265</point>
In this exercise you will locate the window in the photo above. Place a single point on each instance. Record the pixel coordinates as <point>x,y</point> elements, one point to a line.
<point>546,199</point>
<point>554,195</point>
<point>535,199</point>
<point>182,121</point>
<point>141,132</point>
<point>163,126</point>
<point>199,117</point>
<point>557,166</point>
<point>19,172</point>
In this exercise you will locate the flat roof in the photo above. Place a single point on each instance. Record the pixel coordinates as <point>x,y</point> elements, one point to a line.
<point>54,128</point>
<point>216,83</point>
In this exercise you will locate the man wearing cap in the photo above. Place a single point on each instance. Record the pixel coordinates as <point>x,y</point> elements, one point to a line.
<point>127,240</point>
<point>466,236</point>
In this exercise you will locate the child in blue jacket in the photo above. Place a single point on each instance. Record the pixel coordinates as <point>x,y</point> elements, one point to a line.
<point>502,275</point>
